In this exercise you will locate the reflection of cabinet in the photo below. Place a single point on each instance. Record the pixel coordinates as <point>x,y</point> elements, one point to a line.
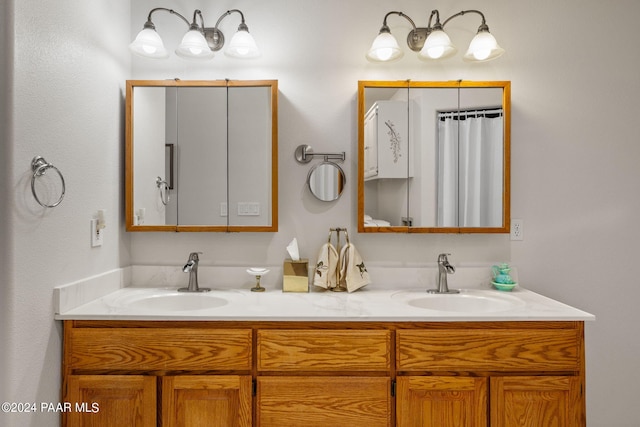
<point>386,140</point>
<point>282,374</point>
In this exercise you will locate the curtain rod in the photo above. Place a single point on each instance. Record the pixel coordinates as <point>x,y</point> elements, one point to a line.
<point>491,112</point>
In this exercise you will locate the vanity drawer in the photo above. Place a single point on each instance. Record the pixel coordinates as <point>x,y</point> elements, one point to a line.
<point>146,349</point>
<point>512,350</point>
<point>325,350</point>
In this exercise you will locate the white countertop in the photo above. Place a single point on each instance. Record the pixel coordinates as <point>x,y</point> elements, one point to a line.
<point>391,305</point>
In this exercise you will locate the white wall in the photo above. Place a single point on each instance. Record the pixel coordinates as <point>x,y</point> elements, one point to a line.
<point>65,102</point>
<point>575,179</point>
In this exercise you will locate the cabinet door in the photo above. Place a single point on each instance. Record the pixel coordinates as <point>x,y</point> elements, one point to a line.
<point>211,401</point>
<point>441,402</point>
<point>536,402</point>
<point>111,400</point>
<point>323,401</point>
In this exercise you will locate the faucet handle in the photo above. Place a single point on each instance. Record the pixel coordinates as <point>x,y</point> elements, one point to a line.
<point>443,258</point>
<point>193,256</point>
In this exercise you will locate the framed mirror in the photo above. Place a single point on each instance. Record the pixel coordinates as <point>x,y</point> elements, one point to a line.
<point>434,157</point>
<point>201,155</point>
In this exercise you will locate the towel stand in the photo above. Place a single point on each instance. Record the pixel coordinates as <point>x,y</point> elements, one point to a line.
<point>340,285</point>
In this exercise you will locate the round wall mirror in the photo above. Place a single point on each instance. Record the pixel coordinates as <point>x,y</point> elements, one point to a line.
<point>326,181</point>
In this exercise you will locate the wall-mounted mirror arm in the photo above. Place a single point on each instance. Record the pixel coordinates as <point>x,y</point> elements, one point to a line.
<point>304,154</point>
<point>326,180</point>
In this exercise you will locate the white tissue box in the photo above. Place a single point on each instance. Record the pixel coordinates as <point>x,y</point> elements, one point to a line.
<point>295,276</point>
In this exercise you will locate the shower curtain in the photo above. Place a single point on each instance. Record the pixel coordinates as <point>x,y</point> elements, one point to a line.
<point>470,165</point>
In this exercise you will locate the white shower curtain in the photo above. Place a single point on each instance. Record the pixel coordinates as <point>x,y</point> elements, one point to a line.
<point>470,165</point>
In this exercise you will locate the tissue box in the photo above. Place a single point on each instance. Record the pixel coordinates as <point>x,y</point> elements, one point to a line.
<point>295,276</point>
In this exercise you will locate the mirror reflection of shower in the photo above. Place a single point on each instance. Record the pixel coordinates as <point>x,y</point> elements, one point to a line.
<point>470,161</point>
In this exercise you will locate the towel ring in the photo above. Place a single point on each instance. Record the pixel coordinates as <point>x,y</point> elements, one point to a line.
<point>164,190</point>
<point>39,167</point>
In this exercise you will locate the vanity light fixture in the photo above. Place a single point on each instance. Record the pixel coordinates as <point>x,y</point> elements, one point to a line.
<point>199,43</point>
<point>433,42</point>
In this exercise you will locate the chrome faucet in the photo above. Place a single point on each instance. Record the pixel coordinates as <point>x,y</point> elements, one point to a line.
<point>191,267</point>
<point>444,268</point>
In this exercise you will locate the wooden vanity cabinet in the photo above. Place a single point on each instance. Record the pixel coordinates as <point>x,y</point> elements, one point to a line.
<point>157,373</point>
<point>502,374</point>
<point>318,378</point>
<point>111,400</point>
<point>498,374</point>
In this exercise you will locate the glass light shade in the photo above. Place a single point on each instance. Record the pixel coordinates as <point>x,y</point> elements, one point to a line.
<point>437,46</point>
<point>384,48</point>
<point>194,46</point>
<point>483,47</point>
<point>149,44</point>
<point>242,45</point>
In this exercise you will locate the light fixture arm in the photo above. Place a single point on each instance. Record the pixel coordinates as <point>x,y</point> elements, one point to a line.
<point>214,36</point>
<point>437,15</point>
<point>229,12</point>
<point>385,27</point>
<point>194,25</point>
<point>149,23</point>
<point>483,26</point>
<point>417,37</point>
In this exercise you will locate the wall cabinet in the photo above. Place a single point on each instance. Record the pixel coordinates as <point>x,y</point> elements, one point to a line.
<point>386,140</point>
<point>498,374</point>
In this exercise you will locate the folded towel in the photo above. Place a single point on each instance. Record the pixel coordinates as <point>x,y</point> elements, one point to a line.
<point>377,223</point>
<point>326,274</point>
<point>353,273</point>
<point>372,222</point>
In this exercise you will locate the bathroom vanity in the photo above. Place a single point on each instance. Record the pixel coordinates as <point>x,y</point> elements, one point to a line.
<point>371,358</point>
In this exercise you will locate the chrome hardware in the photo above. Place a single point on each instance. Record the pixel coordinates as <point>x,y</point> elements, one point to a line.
<point>444,268</point>
<point>191,267</point>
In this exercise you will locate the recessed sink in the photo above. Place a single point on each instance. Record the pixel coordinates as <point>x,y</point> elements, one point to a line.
<point>177,301</point>
<point>466,303</point>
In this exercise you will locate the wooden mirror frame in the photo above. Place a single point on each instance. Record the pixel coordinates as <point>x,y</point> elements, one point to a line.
<point>506,196</point>
<point>129,155</point>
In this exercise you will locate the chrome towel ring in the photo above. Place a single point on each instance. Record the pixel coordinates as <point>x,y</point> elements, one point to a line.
<point>164,190</point>
<point>39,167</point>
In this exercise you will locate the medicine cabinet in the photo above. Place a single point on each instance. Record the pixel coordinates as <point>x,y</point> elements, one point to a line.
<point>201,155</point>
<point>433,157</point>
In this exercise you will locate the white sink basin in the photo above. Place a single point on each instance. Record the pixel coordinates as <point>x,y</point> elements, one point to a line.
<point>467,302</point>
<point>174,301</point>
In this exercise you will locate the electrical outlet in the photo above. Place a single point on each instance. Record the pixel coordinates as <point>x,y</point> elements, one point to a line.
<point>96,235</point>
<point>517,229</point>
